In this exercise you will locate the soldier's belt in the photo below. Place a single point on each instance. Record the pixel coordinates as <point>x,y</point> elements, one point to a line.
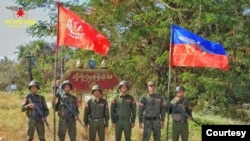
<point>123,117</point>
<point>152,118</point>
<point>96,119</point>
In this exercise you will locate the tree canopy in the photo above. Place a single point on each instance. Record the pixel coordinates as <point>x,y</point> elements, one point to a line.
<point>139,34</point>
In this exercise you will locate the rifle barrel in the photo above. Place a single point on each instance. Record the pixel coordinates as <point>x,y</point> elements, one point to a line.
<point>47,124</point>
<point>39,111</point>
<point>70,109</point>
<point>80,121</point>
<point>183,112</point>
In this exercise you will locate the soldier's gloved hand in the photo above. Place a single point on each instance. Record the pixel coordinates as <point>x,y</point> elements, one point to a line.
<point>140,125</point>
<point>31,105</point>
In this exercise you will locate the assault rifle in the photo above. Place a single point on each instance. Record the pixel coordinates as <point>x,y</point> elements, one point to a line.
<point>40,112</point>
<point>69,109</point>
<point>183,113</point>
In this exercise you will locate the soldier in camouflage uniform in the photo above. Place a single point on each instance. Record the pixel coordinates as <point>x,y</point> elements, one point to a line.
<point>152,111</point>
<point>96,115</point>
<point>180,123</point>
<point>34,119</point>
<point>67,120</point>
<point>123,112</point>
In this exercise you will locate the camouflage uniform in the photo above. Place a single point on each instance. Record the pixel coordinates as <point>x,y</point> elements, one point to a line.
<point>67,121</point>
<point>125,108</point>
<point>152,111</point>
<point>34,119</point>
<point>180,123</point>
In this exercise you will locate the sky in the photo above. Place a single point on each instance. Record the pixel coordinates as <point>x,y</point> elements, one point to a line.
<point>13,28</point>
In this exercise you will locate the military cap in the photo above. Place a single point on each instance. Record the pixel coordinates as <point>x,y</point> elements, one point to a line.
<point>151,83</point>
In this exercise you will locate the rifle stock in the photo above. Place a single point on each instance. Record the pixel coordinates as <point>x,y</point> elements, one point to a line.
<point>70,109</point>
<point>47,124</point>
<point>184,113</point>
<point>80,121</point>
<point>196,122</point>
<point>37,107</point>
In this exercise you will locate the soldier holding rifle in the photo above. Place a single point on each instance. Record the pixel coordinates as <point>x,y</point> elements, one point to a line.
<point>180,109</point>
<point>67,106</point>
<point>36,111</point>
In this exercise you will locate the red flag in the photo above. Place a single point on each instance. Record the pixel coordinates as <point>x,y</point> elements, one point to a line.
<point>189,49</point>
<point>75,32</point>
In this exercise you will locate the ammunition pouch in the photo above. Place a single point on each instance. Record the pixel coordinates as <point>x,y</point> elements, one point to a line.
<point>176,113</point>
<point>30,112</point>
<point>62,111</point>
<point>176,116</point>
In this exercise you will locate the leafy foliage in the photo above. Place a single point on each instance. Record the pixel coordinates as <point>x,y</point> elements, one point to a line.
<point>139,32</point>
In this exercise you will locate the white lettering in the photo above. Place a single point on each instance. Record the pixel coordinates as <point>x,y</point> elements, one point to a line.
<point>210,132</point>
<point>207,132</point>
<point>243,134</point>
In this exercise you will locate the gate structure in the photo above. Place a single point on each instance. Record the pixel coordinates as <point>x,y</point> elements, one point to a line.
<point>83,80</point>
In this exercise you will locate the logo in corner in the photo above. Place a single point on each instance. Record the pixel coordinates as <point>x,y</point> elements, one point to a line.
<point>19,12</point>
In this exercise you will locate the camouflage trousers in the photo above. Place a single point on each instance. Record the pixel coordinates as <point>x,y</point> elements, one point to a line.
<point>67,125</point>
<point>155,127</point>
<point>35,124</point>
<point>180,129</point>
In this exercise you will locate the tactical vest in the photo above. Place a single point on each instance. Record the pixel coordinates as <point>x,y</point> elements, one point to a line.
<point>176,115</point>
<point>62,109</point>
<point>33,112</point>
<point>152,105</point>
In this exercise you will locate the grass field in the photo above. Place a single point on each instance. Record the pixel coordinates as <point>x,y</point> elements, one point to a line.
<point>13,123</point>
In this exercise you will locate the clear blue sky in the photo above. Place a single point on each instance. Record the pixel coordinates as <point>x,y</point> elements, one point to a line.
<point>12,33</point>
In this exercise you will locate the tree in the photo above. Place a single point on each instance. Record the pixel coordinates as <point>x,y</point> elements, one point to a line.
<point>8,74</point>
<point>36,59</point>
<point>139,32</point>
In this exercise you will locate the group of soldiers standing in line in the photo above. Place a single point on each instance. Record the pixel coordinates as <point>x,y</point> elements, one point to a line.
<point>122,111</point>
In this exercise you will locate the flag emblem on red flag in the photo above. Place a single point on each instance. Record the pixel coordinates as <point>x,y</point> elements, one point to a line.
<point>189,49</point>
<point>75,32</point>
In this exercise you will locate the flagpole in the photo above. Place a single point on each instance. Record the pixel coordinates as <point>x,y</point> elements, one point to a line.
<point>55,90</point>
<point>169,77</point>
<point>55,73</point>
